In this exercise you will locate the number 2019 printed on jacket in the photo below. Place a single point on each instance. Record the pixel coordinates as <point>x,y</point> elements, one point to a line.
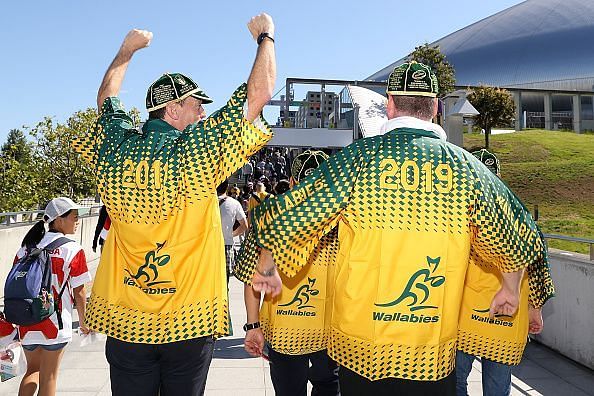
<point>389,178</point>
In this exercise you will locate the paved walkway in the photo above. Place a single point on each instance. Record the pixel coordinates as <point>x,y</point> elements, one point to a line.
<point>84,370</point>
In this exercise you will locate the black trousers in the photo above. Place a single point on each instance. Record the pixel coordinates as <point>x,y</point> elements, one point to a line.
<point>176,368</point>
<point>290,373</point>
<point>352,384</point>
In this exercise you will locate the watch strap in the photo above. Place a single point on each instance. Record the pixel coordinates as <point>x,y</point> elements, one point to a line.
<point>267,273</point>
<point>251,326</point>
<point>263,36</point>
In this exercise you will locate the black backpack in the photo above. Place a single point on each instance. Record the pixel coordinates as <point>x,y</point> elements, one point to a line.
<point>28,297</point>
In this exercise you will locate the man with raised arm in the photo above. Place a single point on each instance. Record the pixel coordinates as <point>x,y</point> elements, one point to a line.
<point>410,209</point>
<point>160,291</point>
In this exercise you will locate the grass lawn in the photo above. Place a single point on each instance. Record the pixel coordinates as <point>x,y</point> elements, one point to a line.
<point>554,170</point>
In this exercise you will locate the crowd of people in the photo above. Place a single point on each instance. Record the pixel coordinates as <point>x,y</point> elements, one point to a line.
<point>384,268</point>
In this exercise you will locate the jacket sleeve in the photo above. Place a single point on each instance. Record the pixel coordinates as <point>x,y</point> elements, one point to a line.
<point>111,126</point>
<point>291,225</point>
<point>540,282</point>
<point>503,231</point>
<point>226,139</point>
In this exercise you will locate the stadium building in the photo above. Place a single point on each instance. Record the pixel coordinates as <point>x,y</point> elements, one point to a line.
<point>540,50</point>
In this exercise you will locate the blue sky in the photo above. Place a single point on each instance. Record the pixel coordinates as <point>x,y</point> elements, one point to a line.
<point>55,52</point>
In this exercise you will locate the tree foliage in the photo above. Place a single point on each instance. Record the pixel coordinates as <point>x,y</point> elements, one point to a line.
<point>16,146</point>
<point>63,171</point>
<point>432,57</point>
<point>33,172</point>
<point>496,107</point>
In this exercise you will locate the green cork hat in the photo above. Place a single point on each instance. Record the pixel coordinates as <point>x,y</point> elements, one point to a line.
<point>412,79</point>
<point>489,159</point>
<point>305,163</point>
<point>171,87</point>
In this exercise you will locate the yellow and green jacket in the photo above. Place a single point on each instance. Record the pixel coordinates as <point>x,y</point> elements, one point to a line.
<point>162,277</point>
<point>296,322</point>
<point>503,338</point>
<point>409,208</point>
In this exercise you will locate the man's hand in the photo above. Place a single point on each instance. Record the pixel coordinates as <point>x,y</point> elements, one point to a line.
<point>505,302</point>
<point>267,284</point>
<point>263,75</point>
<point>112,81</point>
<point>535,322</point>
<point>136,39</point>
<point>271,284</point>
<point>83,329</point>
<point>254,342</point>
<point>261,24</point>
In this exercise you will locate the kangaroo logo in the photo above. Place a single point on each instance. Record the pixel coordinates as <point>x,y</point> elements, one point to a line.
<point>417,288</point>
<point>151,264</point>
<point>302,295</point>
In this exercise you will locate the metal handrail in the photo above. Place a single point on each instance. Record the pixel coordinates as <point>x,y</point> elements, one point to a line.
<point>32,216</point>
<point>574,239</point>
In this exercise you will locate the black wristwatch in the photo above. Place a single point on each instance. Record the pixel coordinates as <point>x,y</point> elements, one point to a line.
<point>263,36</point>
<point>251,326</point>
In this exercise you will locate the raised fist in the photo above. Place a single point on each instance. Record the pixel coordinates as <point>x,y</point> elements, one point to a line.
<point>137,39</point>
<point>261,24</point>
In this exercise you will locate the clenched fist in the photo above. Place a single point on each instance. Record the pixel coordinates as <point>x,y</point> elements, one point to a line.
<point>261,24</point>
<point>137,39</point>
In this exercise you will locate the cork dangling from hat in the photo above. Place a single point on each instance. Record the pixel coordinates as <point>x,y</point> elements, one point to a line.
<point>412,79</point>
<point>171,87</point>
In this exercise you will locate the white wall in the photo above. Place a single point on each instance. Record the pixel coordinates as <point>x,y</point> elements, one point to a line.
<point>569,316</point>
<point>12,236</point>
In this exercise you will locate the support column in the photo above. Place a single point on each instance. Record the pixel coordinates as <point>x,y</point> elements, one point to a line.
<point>518,103</point>
<point>548,111</point>
<point>577,113</point>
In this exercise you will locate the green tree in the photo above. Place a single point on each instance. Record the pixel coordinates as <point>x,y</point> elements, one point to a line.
<point>496,108</point>
<point>16,146</point>
<point>33,173</point>
<point>18,182</point>
<point>432,57</point>
<point>61,170</point>
<point>16,176</point>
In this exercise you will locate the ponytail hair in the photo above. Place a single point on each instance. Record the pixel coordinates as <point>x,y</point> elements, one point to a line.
<point>34,235</point>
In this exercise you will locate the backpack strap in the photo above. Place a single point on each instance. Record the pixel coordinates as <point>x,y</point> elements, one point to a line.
<point>221,201</point>
<point>57,303</point>
<point>257,198</point>
<point>54,245</point>
<point>57,243</point>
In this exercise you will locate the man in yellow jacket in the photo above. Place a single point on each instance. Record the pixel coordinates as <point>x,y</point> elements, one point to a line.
<point>160,291</point>
<point>499,341</point>
<point>410,210</point>
<point>296,325</point>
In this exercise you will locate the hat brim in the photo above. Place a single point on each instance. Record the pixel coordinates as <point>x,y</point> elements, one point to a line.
<point>412,93</point>
<point>82,210</point>
<point>195,93</point>
<point>202,96</point>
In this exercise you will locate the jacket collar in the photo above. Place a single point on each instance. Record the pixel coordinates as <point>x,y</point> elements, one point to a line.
<point>413,123</point>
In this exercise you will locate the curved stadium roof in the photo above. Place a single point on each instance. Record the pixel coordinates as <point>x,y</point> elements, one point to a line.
<point>537,44</point>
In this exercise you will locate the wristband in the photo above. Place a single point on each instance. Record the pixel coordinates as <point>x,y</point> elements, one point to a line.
<point>267,273</point>
<point>251,326</point>
<point>263,36</point>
